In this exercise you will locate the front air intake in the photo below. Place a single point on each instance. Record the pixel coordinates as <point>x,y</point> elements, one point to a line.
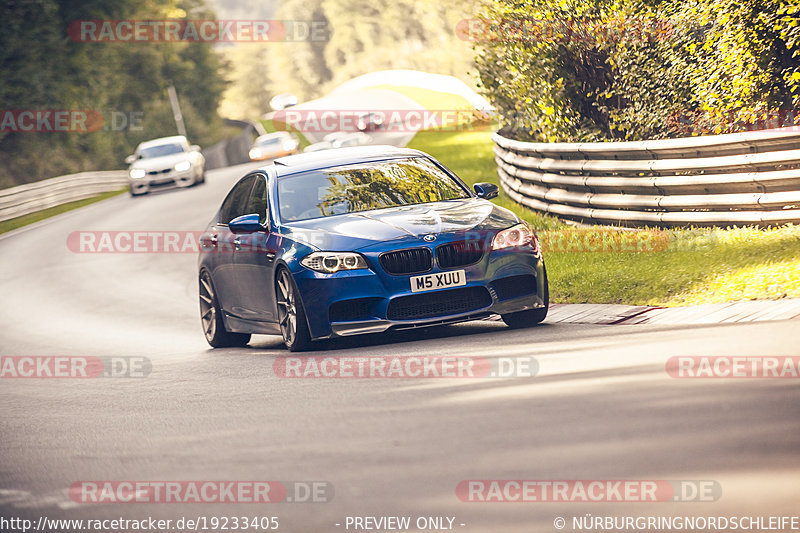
<point>411,261</point>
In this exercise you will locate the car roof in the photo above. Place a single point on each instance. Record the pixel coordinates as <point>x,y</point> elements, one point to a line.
<point>179,139</point>
<point>354,155</point>
<point>273,135</point>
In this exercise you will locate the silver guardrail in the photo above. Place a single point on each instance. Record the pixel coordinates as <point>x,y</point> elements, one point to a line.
<point>26,199</point>
<point>750,178</point>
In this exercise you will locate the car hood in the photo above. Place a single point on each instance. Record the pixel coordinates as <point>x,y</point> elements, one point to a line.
<point>159,163</point>
<point>406,224</point>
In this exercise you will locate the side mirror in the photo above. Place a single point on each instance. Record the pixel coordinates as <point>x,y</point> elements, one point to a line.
<point>245,224</point>
<point>487,191</point>
<point>195,148</point>
<point>130,159</point>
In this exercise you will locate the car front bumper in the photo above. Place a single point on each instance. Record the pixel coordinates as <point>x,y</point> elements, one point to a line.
<point>172,178</point>
<point>372,301</point>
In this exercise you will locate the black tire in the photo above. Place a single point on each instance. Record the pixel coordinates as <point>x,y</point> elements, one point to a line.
<point>530,317</point>
<point>291,314</point>
<point>211,318</point>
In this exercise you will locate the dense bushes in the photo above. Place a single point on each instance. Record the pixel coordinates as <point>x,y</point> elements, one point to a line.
<point>573,70</point>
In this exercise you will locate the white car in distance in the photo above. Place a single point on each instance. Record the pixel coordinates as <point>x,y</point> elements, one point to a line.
<point>165,162</point>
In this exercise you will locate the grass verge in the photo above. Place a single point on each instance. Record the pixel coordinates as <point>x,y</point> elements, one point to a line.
<point>18,222</point>
<point>697,266</point>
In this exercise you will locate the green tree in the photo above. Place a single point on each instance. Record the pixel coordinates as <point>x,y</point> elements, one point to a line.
<point>43,69</point>
<point>564,70</point>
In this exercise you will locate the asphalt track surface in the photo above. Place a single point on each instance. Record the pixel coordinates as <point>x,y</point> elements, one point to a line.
<point>602,406</point>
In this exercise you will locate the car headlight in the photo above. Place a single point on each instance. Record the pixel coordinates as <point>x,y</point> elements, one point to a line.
<point>138,173</point>
<point>289,145</point>
<point>255,153</point>
<point>182,165</point>
<point>330,262</point>
<point>518,235</point>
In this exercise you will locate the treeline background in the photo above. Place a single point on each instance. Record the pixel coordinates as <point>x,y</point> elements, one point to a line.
<point>365,36</point>
<point>712,65</point>
<point>41,68</point>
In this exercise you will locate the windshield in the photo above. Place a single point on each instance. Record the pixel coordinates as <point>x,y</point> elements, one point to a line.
<point>363,187</point>
<point>160,150</point>
<point>267,142</point>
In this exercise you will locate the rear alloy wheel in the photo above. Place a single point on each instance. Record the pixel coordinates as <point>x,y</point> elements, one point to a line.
<point>531,317</point>
<point>211,318</point>
<point>291,316</point>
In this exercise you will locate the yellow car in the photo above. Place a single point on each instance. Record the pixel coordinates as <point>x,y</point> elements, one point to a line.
<point>274,145</point>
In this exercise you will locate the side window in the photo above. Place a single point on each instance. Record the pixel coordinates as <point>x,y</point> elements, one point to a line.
<point>258,199</point>
<point>235,205</point>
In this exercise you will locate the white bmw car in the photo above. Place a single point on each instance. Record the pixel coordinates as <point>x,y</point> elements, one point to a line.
<point>165,162</point>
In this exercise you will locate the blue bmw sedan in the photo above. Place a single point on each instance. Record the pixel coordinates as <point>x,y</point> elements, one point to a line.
<point>363,240</point>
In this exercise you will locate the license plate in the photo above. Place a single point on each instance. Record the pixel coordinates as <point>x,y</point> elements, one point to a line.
<point>431,282</point>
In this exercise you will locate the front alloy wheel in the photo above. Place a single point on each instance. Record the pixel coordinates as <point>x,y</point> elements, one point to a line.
<point>211,318</point>
<point>291,316</point>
